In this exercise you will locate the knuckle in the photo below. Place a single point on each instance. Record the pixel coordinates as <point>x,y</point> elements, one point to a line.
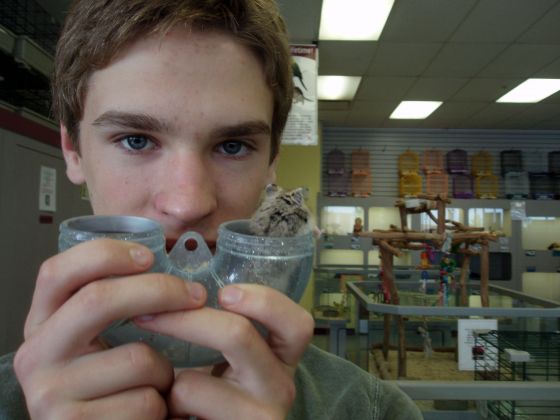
<point>46,272</point>
<point>241,331</point>
<point>141,356</point>
<point>92,296</point>
<point>151,404</point>
<point>23,361</point>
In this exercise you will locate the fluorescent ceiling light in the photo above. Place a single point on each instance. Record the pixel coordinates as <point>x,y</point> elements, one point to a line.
<point>414,110</point>
<point>353,20</point>
<point>531,91</point>
<point>337,88</point>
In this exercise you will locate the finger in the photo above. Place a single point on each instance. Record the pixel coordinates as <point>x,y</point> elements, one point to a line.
<point>134,404</point>
<point>189,397</point>
<point>249,355</point>
<point>115,370</point>
<point>290,326</point>
<point>62,275</point>
<point>90,310</point>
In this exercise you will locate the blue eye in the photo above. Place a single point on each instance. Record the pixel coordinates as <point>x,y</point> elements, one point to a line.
<point>136,143</point>
<point>232,147</point>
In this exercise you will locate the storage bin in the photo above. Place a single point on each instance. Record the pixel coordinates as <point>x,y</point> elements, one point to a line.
<point>516,185</point>
<point>437,183</point>
<point>432,161</point>
<point>511,161</point>
<point>481,163</point>
<point>409,163</point>
<point>410,185</point>
<point>457,162</point>
<point>462,186</point>
<point>486,186</point>
<point>541,186</point>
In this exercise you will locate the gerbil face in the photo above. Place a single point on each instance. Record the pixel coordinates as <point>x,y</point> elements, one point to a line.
<point>177,129</point>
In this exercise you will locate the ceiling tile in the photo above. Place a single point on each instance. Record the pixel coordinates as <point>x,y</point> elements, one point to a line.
<point>396,59</point>
<point>302,19</point>
<point>532,115</point>
<point>485,90</point>
<point>384,88</point>
<point>333,118</point>
<point>546,30</point>
<point>552,70</point>
<point>449,114</point>
<point>492,115</point>
<point>370,113</point>
<point>424,21</point>
<point>345,57</point>
<point>434,89</point>
<point>495,21</point>
<point>462,60</point>
<point>521,60</point>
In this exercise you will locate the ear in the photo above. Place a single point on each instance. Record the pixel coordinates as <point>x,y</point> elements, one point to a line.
<point>72,158</point>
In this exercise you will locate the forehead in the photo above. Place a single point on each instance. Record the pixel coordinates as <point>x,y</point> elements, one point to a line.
<point>190,72</point>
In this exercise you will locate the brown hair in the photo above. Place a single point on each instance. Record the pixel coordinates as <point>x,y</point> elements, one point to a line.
<point>95,31</point>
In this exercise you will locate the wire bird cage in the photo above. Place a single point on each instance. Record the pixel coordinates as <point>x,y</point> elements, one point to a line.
<point>519,356</point>
<point>432,161</point>
<point>481,163</point>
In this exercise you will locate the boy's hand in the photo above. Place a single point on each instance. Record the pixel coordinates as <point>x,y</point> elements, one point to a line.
<point>65,372</point>
<point>257,382</point>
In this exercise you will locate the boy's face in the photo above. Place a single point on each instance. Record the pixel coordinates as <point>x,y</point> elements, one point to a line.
<point>176,128</point>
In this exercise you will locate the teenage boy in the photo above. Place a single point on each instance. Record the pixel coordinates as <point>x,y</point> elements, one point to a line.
<point>173,110</point>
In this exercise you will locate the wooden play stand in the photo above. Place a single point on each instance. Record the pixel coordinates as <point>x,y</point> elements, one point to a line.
<point>469,241</point>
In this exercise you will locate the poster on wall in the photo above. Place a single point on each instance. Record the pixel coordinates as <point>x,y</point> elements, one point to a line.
<point>302,125</point>
<point>47,189</point>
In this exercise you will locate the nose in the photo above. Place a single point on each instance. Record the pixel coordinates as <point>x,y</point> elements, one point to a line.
<point>187,193</point>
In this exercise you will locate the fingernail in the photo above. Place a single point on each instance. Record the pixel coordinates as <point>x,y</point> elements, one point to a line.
<point>140,255</point>
<point>197,291</point>
<point>230,295</point>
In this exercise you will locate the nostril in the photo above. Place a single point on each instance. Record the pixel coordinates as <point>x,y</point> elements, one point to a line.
<point>191,244</point>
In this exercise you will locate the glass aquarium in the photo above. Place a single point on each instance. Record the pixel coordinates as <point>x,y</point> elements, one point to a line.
<point>539,233</point>
<point>492,219</point>
<point>340,220</point>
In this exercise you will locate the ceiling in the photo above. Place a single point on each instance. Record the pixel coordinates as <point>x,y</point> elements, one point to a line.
<point>466,53</point>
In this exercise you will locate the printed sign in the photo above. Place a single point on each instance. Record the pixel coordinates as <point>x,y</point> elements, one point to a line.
<point>302,125</point>
<point>469,350</point>
<point>47,189</point>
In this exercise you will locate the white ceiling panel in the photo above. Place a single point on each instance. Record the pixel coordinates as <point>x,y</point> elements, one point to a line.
<point>485,90</point>
<point>496,21</point>
<point>384,88</point>
<point>425,21</point>
<point>345,58</point>
<point>463,60</point>
<point>402,59</point>
<point>521,59</point>
<point>434,89</point>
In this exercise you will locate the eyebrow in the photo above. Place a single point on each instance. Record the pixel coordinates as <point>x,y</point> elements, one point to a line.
<point>137,121</point>
<point>146,122</point>
<point>249,128</point>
